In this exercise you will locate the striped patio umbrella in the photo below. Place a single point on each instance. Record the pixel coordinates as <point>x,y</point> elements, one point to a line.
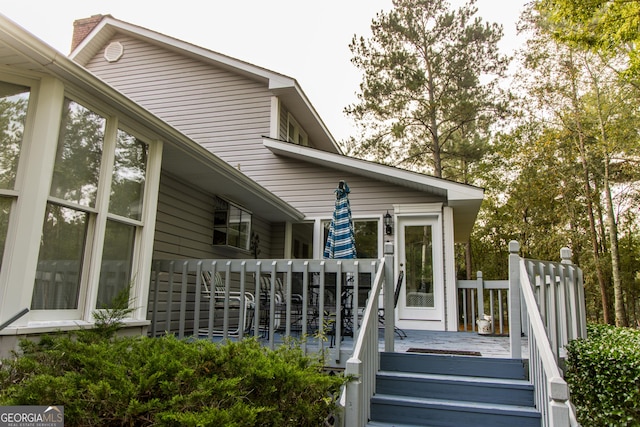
<point>341,242</point>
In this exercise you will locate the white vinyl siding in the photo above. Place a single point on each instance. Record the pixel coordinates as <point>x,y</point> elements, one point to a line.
<point>225,112</point>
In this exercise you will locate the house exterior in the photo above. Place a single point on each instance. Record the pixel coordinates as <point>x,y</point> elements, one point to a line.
<point>140,146</point>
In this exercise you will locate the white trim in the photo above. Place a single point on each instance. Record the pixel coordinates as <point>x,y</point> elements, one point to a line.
<point>274,115</point>
<point>18,277</point>
<point>422,318</point>
<point>451,295</point>
<point>143,261</point>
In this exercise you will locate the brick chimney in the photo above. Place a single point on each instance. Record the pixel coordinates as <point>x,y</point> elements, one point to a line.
<point>82,28</point>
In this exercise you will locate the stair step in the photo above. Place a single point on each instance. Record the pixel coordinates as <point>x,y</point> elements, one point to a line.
<point>415,411</point>
<point>463,388</point>
<point>471,366</point>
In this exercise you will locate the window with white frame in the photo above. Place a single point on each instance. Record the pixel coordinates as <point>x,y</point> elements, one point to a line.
<point>231,225</point>
<point>125,212</point>
<point>295,133</point>
<point>94,205</point>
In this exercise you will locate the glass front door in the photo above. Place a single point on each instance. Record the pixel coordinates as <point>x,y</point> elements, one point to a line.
<point>420,257</point>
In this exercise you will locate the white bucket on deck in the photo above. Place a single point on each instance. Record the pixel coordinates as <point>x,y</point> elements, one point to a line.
<point>484,325</point>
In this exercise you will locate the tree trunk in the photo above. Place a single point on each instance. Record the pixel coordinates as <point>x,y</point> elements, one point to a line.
<point>588,194</point>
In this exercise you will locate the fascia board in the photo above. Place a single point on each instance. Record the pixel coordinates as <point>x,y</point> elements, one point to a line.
<point>454,191</point>
<point>243,67</point>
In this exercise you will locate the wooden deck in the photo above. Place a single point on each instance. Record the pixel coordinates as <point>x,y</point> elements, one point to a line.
<point>486,345</point>
<point>462,343</point>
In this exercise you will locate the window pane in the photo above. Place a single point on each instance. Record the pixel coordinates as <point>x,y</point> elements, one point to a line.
<point>77,167</point>
<point>419,279</point>
<point>129,172</point>
<point>366,235</point>
<point>239,228</point>
<point>221,210</point>
<point>366,238</point>
<point>5,210</point>
<point>117,257</point>
<point>58,275</point>
<point>13,114</point>
<point>302,235</point>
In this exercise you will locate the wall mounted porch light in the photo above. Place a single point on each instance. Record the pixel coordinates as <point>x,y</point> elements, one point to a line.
<point>388,224</point>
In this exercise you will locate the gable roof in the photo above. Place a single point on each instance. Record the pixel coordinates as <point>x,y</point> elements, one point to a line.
<point>20,50</point>
<point>286,88</point>
<point>463,198</point>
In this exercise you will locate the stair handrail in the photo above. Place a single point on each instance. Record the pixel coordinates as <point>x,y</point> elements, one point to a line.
<point>551,390</point>
<point>361,368</point>
<point>14,318</point>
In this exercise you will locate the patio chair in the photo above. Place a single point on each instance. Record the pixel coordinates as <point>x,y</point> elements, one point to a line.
<point>280,303</point>
<point>401,333</point>
<point>213,286</point>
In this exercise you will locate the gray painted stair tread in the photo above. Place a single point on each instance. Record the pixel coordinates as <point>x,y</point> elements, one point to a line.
<point>454,405</point>
<point>461,378</point>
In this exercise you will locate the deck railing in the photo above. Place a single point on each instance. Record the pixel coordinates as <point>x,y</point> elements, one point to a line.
<point>316,301</point>
<point>552,298</point>
<point>362,367</point>
<point>478,298</point>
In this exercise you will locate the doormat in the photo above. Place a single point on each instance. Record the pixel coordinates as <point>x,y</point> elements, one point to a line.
<point>440,351</point>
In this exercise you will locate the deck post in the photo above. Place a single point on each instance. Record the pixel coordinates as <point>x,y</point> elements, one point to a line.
<point>515,326</point>
<point>480,303</point>
<point>389,309</point>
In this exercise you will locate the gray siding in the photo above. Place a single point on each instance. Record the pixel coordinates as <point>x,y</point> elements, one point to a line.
<point>310,188</point>
<point>184,225</point>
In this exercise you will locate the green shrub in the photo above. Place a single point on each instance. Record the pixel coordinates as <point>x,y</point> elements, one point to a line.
<point>165,381</point>
<point>603,373</point>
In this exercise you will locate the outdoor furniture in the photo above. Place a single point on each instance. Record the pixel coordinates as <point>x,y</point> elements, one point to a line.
<point>213,287</point>
<point>280,304</point>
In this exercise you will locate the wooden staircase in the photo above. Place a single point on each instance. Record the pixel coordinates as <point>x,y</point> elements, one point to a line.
<point>444,390</point>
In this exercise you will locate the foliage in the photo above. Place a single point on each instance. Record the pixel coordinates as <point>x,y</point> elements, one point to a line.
<point>429,88</point>
<point>565,172</point>
<point>109,321</point>
<point>606,26</point>
<point>165,381</point>
<point>603,373</point>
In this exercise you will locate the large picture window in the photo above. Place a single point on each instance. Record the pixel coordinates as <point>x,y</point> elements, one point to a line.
<point>74,189</point>
<point>81,203</point>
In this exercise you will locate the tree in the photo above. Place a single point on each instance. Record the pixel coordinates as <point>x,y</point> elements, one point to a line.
<point>429,83</point>
<point>568,166</point>
<point>604,26</point>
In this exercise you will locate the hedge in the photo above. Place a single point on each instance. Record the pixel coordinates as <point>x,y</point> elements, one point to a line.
<point>170,382</point>
<point>603,373</point>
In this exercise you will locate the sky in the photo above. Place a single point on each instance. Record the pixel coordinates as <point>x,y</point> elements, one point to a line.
<point>307,40</point>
